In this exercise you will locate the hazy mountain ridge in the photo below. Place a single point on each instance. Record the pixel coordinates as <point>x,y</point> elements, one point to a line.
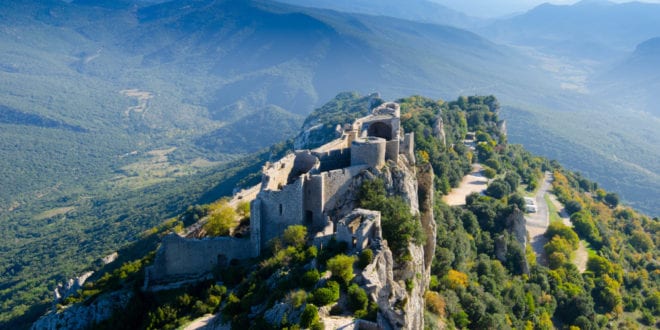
<point>591,29</point>
<point>416,10</point>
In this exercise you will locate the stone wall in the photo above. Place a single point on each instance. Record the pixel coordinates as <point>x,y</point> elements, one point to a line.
<point>276,175</point>
<point>334,159</point>
<point>314,201</point>
<point>279,209</point>
<point>180,257</point>
<point>336,184</point>
<point>407,147</point>
<point>359,229</point>
<point>368,151</point>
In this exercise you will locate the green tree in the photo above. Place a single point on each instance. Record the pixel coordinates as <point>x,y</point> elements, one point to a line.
<point>612,199</point>
<point>365,258</point>
<point>357,298</point>
<point>498,189</point>
<point>341,267</point>
<point>489,173</point>
<point>295,236</point>
<point>558,228</point>
<point>310,316</point>
<point>221,220</point>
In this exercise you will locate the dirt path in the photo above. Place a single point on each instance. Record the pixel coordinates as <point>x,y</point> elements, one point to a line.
<point>473,182</point>
<point>207,322</point>
<point>581,254</point>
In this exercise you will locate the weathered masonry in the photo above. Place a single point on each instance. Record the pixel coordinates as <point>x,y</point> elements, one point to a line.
<point>303,188</point>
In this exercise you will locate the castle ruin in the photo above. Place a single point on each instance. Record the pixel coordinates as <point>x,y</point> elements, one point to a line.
<point>302,188</point>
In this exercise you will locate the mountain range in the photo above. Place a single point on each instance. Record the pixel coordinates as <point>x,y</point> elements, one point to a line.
<point>106,102</point>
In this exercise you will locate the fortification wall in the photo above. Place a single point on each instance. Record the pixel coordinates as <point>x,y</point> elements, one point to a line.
<point>336,183</point>
<point>313,201</point>
<point>408,147</point>
<point>276,175</point>
<point>180,257</point>
<point>334,159</point>
<point>392,150</point>
<point>339,143</point>
<point>369,151</point>
<point>279,209</point>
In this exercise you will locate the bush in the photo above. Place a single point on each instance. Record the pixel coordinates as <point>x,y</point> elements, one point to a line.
<point>365,258</point>
<point>310,278</point>
<point>572,206</point>
<point>612,199</point>
<point>221,220</point>
<point>498,189</point>
<point>295,236</point>
<point>341,267</point>
<point>297,298</point>
<point>435,303</point>
<point>557,228</point>
<point>357,298</point>
<point>309,316</point>
<point>323,296</point>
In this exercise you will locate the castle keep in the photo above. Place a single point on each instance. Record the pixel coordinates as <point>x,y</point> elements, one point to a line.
<point>303,188</point>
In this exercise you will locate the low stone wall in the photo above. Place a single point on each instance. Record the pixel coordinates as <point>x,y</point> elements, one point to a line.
<point>180,257</point>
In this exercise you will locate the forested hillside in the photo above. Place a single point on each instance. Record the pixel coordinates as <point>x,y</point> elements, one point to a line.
<point>482,275</point>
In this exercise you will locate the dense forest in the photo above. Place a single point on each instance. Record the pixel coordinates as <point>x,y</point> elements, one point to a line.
<point>472,286</point>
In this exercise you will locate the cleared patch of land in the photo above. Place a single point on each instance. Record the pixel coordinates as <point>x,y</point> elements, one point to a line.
<point>54,212</point>
<point>141,97</point>
<point>473,182</point>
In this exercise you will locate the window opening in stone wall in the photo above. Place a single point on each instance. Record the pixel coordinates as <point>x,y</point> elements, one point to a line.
<point>280,209</point>
<point>309,216</point>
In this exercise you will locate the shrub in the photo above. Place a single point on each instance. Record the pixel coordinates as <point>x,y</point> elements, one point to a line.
<point>310,278</point>
<point>557,228</point>
<point>221,220</point>
<point>365,258</point>
<point>572,206</point>
<point>295,236</point>
<point>435,303</point>
<point>498,189</point>
<point>341,267</point>
<point>309,316</point>
<point>297,298</point>
<point>357,298</point>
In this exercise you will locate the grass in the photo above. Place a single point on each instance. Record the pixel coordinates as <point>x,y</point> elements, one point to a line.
<point>552,210</point>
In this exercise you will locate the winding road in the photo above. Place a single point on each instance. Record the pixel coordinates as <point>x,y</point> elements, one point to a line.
<point>537,223</point>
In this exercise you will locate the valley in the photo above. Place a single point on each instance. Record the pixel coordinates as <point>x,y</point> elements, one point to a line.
<point>117,115</point>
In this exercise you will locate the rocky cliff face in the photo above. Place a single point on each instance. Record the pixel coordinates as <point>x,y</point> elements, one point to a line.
<point>439,129</point>
<point>399,287</point>
<point>83,316</point>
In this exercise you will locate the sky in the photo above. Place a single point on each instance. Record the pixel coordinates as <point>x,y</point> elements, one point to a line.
<point>498,8</point>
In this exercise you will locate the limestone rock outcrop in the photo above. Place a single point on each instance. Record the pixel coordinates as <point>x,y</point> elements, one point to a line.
<point>399,287</point>
<point>83,316</point>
